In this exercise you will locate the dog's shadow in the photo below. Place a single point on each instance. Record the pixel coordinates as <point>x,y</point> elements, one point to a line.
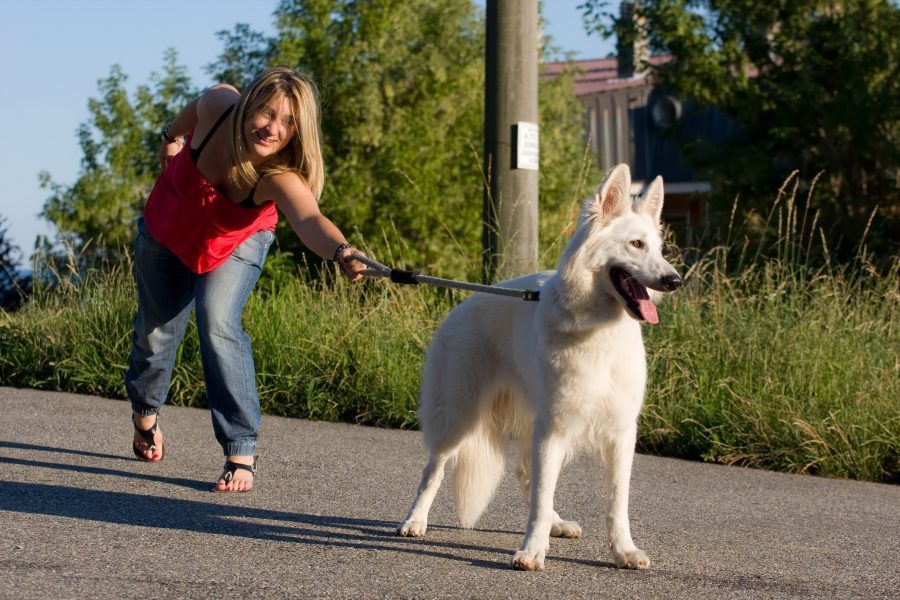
<point>143,510</point>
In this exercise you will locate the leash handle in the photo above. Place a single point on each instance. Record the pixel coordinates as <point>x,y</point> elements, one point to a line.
<point>376,269</point>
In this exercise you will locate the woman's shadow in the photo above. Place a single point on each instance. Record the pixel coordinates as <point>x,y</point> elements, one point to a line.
<point>144,510</point>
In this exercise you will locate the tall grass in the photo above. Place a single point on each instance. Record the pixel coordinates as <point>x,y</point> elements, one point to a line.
<point>767,370</point>
<point>324,349</point>
<point>772,356</point>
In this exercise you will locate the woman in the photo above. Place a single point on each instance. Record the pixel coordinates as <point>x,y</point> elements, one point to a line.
<point>202,241</point>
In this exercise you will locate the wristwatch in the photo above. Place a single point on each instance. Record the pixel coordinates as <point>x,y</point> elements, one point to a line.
<point>169,137</point>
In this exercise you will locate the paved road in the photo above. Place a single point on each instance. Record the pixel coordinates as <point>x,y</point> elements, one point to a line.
<point>80,518</point>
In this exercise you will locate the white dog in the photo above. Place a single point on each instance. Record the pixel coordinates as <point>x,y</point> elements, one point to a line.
<point>562,374</point>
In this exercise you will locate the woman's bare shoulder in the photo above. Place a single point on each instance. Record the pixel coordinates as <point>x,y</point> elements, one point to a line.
<point>215,100</point>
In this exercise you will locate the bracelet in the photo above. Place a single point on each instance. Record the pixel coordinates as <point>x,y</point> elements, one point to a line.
<point>168,136</point>
<point>341,248</point>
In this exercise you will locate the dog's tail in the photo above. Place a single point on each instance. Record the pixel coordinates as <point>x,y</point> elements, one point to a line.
<point>479,468</point>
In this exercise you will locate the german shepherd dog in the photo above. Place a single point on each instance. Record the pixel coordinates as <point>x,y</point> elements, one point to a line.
<point>561,375</point>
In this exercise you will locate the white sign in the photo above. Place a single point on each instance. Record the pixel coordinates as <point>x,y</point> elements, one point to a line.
<point>527,146</point>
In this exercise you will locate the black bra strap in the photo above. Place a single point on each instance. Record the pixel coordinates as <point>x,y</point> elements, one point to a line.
<point>195,152</point>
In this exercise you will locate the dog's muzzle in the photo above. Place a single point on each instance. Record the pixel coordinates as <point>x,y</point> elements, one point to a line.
<point>670,283</point>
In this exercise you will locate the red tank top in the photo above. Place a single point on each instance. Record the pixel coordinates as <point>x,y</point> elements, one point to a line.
<point>199,224</point>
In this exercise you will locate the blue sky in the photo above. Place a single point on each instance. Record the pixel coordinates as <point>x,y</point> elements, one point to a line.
<point>55,51</point>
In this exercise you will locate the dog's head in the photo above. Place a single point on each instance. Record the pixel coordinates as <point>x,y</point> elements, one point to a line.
<point>617,247</point>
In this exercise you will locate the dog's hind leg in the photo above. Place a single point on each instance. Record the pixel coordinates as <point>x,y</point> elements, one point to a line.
<point>548,454</point>
<point>618,455</point>
<point>560,528</point>
<point>416,522</point>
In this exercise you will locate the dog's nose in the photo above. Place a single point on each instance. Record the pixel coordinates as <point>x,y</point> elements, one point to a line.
<point>671,282</point>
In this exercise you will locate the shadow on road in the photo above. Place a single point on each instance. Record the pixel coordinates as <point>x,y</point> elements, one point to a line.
<point>142,510</point>
<point>18,446</point>
<point>210,518</point>
<point>188,483</point>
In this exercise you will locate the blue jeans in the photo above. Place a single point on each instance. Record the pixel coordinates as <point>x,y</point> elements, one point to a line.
<point>167,292</point>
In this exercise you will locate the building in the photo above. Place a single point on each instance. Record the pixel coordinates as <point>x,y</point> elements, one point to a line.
<point>628,120</point>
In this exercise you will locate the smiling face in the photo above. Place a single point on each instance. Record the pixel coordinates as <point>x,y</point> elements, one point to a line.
<point>276,130</point>
<point>269,129</point>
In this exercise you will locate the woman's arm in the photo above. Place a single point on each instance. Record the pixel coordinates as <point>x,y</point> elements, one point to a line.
<point>173,133</point>
<point>203,110</point>
<point>296,202</point>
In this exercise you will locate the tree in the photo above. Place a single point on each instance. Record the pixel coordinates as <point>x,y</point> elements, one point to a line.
<point>401,88</point>
<point>813,85</point>
<point>15,287</point>
<point>401,84</point>
<point>95,216</point>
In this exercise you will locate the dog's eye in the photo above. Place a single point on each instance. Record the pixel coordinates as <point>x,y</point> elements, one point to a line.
<point>637,244</point>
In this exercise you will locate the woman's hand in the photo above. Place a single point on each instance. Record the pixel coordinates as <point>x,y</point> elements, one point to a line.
<point>168,151</point>
<point>351,267</point>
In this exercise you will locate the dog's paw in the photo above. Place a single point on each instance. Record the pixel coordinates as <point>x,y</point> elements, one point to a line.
<point>412,528</point>
<point>631,559</point>
<point>565,529</point>
<point>526,560</point>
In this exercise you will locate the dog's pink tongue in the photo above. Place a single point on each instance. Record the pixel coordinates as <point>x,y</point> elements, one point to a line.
<point>645,304</point>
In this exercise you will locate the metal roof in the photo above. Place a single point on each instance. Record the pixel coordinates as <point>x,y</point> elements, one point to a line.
<point>600,74</point>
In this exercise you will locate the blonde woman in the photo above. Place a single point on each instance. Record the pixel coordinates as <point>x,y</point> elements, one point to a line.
<point>231,161</point>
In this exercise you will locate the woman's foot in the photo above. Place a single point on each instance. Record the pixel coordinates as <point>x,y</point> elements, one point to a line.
<point>238,474</point>
<point>148,439</point>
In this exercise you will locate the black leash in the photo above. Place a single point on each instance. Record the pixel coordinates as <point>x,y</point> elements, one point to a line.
<point>376,269</point>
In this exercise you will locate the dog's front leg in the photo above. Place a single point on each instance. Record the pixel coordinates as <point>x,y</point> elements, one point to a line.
<point>560,528</point>
<point>618,455</point>
<point>547,453</point>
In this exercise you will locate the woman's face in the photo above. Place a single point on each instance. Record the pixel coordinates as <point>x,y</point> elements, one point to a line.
<point>269,130</point>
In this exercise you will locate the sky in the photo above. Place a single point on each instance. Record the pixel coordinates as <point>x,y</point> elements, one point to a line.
<point>55,51</point>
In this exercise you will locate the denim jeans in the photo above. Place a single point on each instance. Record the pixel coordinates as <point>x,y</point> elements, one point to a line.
<point>167,292</point>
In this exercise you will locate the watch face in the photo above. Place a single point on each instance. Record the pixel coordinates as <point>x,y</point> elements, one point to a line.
<point>167,136</point>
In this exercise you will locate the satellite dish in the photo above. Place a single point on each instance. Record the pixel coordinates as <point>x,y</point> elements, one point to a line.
<point>665,112</point>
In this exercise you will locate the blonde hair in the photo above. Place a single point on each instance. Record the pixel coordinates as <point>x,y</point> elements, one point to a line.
<point>303,153</point>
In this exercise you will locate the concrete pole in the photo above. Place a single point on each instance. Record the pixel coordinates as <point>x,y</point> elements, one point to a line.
<point>510,233</point>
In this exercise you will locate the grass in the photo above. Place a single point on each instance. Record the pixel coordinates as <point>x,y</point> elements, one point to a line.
<point>770,370</point>
<point>774,357</point>
<point>771,357</point>
<point>323,350</point>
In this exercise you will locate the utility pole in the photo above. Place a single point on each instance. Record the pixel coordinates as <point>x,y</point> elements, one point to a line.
<point>510,230</point>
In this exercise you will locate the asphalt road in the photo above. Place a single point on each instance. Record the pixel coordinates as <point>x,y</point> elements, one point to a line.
<point>81,518</point>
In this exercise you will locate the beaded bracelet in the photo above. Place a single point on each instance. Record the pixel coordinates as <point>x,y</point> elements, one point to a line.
<point>341,248</point>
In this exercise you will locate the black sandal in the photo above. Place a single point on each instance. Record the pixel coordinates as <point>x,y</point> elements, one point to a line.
<point>147,436</point>
<point>231,468</point>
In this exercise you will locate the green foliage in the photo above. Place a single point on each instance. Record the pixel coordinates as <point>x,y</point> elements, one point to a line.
<point>75,335</point>
<point>324,349</point>
<point>401,85</point>
<point>246,53</point>
<point>95,216</point>
<point>343,355</point>
<point>778,358</point>
<point>14,287</point>
<point>10,254</point>
<point>569,171</point>
<point>813,86</point>
<point>795,373</point>
<point>773,357</point>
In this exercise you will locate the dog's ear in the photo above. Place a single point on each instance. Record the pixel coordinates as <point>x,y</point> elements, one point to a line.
<point>651,203</point>
<point>614,197</point>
